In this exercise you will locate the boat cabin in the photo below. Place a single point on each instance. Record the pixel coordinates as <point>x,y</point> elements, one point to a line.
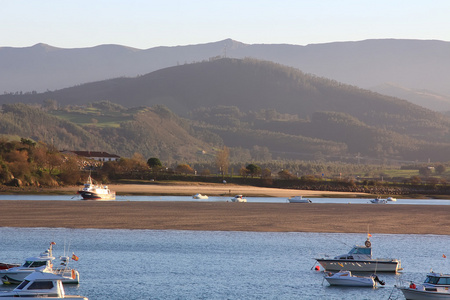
<point>357,252</point>
<point>438,279</point>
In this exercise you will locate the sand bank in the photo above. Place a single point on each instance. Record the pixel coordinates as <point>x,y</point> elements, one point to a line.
<point>228,216</point>
<point>213,189</point>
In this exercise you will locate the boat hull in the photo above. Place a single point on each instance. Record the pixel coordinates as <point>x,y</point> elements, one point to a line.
<point>359,265</point>
<point>415,294</point>
<point>361,282</point>
<point>18,277</point>
<point>96,196</point>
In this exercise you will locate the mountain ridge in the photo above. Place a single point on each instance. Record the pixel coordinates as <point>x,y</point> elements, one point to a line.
<point>418,64</point>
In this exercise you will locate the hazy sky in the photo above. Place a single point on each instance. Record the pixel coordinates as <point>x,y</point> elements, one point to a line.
<point>145,24</point>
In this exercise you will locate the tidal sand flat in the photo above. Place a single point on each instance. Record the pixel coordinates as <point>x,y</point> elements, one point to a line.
<point>228,216</point>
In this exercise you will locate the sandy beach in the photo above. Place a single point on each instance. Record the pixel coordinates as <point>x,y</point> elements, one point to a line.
<point>226,216</point>
<point>212,189</point>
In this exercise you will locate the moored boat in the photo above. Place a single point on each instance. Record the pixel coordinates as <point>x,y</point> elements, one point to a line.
<point>379,201</point>
<point>393,199</point>
<point>359,259</point>
<point>200,196</point>
<point>238,198</point>
<point>436,286</point>
<point>41,284</point>
<point>91,191</point>
<point>16,275</point>
<point>298,199</point>
<point>346,278</point>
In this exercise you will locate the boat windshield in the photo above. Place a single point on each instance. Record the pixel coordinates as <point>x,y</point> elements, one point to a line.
<point>361,250</point>
<point>437,280</point>
<point>34,264</point>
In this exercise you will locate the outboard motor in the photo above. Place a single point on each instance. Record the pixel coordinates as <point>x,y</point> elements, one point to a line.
<point>375,277</point>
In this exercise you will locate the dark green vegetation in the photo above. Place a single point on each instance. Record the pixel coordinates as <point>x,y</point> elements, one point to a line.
<point>262,111</point>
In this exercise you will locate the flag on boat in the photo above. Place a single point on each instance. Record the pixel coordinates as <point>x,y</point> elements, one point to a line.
<point>74,257</point>
<point>52,243</point>
<point>444,256</point>
<point>369,235</point>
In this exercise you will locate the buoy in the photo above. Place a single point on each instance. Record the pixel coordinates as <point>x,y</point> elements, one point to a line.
<point>317,268</point>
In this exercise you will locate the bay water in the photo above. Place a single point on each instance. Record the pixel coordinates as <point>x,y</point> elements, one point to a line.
<point>170,264</point>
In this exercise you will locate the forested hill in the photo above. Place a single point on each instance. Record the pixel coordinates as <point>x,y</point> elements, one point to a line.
<point>248,84</point>
<point>250,104</point>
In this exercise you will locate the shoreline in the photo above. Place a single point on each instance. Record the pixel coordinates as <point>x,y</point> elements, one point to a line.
<point>227,216</point>
<point>192,188</point>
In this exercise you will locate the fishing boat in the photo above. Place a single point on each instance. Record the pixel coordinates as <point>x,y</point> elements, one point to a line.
<point>91,191</point>
<point>359,259</point>
<point>378,201</point>
<point>346,278</point>
<point>298,199</point>
<point>200,196</point>
<point>238,198</point>
<point>16,275</point>
<point>435,286</point>
<point>41,284</point>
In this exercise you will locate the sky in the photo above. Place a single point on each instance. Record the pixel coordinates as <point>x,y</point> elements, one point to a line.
<point>146,24</point>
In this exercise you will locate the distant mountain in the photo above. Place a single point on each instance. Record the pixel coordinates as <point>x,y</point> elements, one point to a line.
<point>423,98</point>
<point>252,104</point>
<point>413,64</point>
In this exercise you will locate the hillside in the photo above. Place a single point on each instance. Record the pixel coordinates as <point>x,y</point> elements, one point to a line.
<point>148,131</point>
<point>412,64</point>
<point>266,109</point>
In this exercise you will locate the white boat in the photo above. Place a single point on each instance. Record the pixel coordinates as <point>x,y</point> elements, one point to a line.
<point>91,191</point>
<point>359,259</point>
<point>379,201</point>
<point>391,199</point>
<point>17,274</point>
<point>298,199</point>
<point>41,284</point>
<point>200,196</point>
<point>238,198</point>
<point>346,278</point>
<point>435,286</point>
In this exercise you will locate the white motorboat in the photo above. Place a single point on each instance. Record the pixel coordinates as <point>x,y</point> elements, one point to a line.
<point>200,196</point>
<point>435,286</point>
<point>91,191</point>
<point>17,274</point>
<point>238,198</point>
<point>379,201</point>
<point>41,284</point>
<point>298,199</point>
<point>359,259</point>
<point>391,199</point>
<point>346,278</point>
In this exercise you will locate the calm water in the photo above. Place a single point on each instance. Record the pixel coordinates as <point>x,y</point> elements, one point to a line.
<point>152,264</point>
<point>222,199</point>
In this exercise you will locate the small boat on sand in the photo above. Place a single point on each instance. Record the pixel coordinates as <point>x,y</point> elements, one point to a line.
<point>200,196</point>
<point>238,198</point>
<point>346,278</point>
<point>298,199</point>
<point>91,191</point>
<point>378,201</point>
